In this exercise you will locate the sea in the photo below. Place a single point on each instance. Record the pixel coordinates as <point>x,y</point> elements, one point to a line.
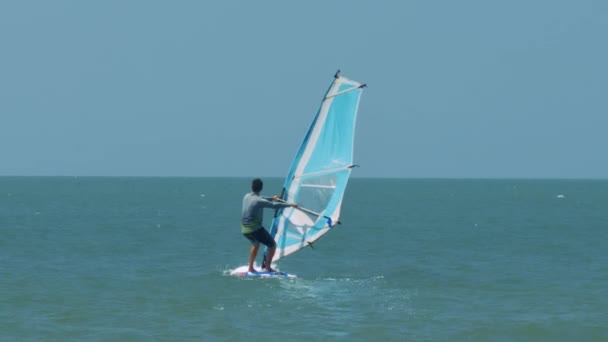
<point>148,259</point>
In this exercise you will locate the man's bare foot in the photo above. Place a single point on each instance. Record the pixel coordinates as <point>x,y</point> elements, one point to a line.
<point>253,270</point>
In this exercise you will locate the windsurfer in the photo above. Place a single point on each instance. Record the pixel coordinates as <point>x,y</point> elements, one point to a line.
<point>251,223</point>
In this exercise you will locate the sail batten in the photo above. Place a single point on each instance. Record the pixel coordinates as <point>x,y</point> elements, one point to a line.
<point>342,92</point>
<point>318,186</point>
<point>320,171</point>
<point>324,171</point>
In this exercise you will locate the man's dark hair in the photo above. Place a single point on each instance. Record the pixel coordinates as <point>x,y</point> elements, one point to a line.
<point>257,185</point>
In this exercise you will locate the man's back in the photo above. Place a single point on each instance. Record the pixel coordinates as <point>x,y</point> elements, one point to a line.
<point>253,213</point>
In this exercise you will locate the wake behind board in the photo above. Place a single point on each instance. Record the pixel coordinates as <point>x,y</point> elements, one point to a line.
<point>242,272</point>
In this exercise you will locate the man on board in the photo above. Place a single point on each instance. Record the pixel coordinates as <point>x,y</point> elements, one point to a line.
<point>251,222</point>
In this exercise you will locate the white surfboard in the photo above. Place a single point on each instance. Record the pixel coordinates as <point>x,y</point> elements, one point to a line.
<point>242,272</point>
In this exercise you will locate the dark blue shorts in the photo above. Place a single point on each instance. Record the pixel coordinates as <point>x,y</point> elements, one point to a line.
<point>261,236</point>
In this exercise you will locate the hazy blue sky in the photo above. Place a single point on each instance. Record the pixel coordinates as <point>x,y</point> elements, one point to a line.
<point>228,88</point>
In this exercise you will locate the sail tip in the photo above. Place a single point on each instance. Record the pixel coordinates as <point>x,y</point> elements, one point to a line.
<point>337,74</point>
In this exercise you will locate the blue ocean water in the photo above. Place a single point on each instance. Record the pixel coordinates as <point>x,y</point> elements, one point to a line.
<point>113,259</point>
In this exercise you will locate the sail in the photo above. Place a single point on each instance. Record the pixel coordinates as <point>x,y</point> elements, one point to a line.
<point>320,171</point>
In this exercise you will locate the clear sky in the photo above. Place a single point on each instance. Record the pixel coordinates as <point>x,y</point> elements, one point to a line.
<point>228,88</point>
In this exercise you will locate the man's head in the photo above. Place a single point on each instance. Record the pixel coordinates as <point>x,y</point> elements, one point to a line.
<point>257,185</point>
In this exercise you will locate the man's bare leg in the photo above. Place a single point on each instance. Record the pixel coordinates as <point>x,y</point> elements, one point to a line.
<point>269,257</point>
<point>252,254</point>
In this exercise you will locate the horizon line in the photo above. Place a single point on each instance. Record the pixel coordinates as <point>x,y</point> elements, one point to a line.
<point>352,177</point>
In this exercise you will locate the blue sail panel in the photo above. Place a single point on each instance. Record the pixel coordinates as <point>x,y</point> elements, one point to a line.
<point>334,147</point>
<point>320,171</point>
